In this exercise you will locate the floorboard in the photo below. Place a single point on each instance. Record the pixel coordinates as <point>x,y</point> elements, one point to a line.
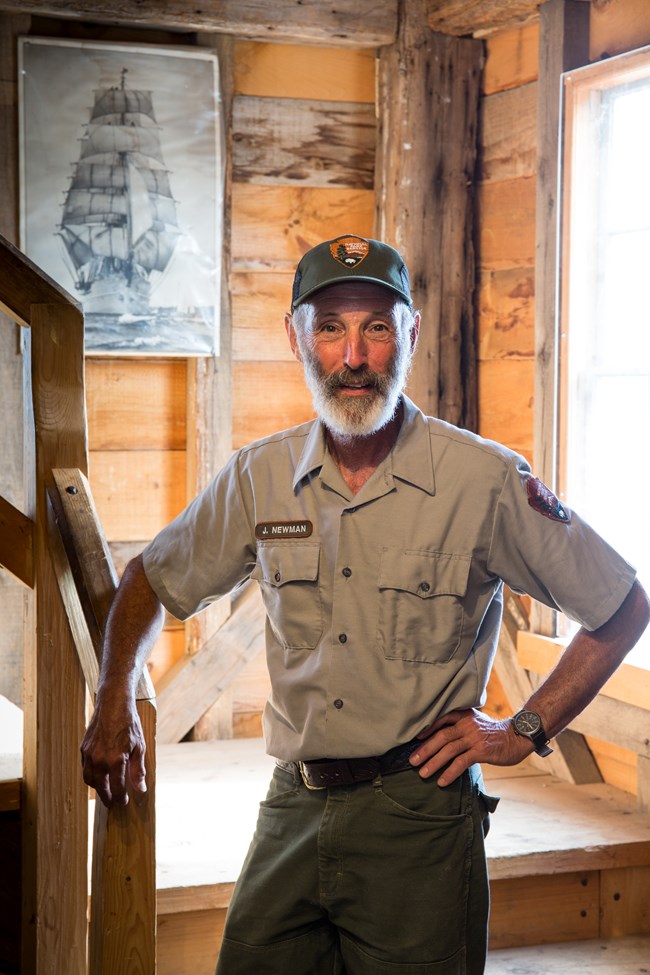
<point>616,956</point>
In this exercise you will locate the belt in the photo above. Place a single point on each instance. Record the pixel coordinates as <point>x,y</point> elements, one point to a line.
<point>327,772</point>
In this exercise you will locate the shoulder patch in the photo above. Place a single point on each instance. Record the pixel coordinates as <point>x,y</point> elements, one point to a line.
<point>543,500</point>
<point>273,530</point>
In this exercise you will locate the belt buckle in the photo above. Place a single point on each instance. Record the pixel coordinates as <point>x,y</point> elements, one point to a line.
<point>312,788</point>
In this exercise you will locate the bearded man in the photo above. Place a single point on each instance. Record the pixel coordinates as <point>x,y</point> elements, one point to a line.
<point>381,540</point>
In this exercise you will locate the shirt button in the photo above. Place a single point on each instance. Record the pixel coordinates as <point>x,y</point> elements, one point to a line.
<point>347,572</point>
<point>338,703</point>
<point>343,638</point>
<point>277,576</point>
<point>424,586</point>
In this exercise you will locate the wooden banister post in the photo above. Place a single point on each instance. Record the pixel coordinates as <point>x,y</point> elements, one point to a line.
<point>123,904</point>
<point>55,800</point>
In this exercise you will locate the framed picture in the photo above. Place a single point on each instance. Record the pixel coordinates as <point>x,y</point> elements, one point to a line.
<point>121,189</point>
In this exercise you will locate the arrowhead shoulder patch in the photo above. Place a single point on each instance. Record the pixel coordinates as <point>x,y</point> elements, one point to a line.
<point>543,500</point>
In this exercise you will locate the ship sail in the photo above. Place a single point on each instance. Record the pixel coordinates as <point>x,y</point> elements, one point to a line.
<point>119,221</point>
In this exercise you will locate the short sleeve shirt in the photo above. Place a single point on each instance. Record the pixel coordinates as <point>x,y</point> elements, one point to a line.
<point>383,607</point>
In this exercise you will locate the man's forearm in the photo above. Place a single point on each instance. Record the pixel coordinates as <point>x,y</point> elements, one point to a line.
<point>588,662</point>
<point>133,626</point>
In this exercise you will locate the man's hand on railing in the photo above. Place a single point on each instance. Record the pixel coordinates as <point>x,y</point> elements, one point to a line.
<point>113,750</point>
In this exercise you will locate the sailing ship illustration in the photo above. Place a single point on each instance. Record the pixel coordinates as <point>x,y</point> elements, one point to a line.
<point>119,223</point>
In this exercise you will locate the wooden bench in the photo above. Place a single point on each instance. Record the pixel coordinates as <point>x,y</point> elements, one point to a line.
<point>614,956</point>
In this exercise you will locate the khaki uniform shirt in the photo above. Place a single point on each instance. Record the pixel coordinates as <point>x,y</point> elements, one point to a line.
<point>383,607</point>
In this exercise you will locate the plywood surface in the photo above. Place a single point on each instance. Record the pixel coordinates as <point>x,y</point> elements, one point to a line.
<point>293,71</point>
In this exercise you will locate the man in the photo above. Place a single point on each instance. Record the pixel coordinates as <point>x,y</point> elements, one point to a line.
<point>381,540</point>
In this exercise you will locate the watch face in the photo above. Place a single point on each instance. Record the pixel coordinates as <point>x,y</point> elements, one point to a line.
<point>527,722</point>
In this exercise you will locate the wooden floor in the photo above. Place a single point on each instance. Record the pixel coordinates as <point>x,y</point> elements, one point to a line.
<point>615,956</point>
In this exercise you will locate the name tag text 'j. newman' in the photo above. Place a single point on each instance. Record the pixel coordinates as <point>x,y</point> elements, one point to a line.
<point>283,529</point>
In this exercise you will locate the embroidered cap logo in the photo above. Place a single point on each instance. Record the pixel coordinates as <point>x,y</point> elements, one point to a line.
<point>349,251</point>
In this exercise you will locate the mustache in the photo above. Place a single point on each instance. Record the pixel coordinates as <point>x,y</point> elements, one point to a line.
<point>350,377</point>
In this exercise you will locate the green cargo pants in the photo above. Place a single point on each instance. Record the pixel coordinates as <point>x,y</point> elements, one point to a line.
<point>379,878</point>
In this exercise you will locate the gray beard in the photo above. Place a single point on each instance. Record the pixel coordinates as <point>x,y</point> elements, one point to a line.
<point>351,416</point>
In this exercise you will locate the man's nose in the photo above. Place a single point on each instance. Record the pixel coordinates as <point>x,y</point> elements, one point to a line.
<point>355,350</point>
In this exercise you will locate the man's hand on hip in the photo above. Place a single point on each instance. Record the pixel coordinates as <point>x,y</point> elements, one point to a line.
<point>462,738</point>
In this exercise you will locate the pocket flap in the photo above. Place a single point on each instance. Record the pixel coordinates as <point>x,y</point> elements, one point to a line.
<point>424,574</point>
<point>277,564</point>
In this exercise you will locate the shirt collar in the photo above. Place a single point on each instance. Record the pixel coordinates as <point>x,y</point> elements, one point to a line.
<point>411,458</point>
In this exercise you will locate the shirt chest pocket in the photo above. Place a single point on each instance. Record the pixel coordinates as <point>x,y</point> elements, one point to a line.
<point>287,574</point>
<point>421,604</point>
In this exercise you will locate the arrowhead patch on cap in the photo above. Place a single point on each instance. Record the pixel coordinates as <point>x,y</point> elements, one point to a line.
<point>543,500</point>
<point>349,251</point>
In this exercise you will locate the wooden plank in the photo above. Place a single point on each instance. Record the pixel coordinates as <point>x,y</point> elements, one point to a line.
<point>189,942</point>
<point>507,228</point>
<point>137,492</point>
<point>506,319</point>
<point>305,143</point>
<point>506,397</point>
<point>16,543</point>
<point>618,27</point>
<point>10,794</point>
<point>621,956</point>
<point>309,21</point>
<point>624,902</point>
<point>136,404</point>
<point>55,798</point>
<point>123,906</point>
<point>643,784</point>
<point>424,189</point>
<point>324,73</point>
<point>463,17</point>
<point>537,910</point>
<point>618,766</point>
<point>25,285</point>
<point>267,398</point>
<point>259,302</point>
<point>540,654</point>
<point>508,134</point>
<point>273,227</point>
<point>511,59</point>
<point>189,689</point>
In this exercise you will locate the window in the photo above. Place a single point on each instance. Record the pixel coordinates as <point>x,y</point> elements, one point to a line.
<point>604,395</point>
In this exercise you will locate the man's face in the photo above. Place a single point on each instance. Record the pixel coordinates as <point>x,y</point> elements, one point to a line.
<point>355,341</point>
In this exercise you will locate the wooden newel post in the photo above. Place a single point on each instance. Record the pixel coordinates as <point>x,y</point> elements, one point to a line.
<point>123,887</point>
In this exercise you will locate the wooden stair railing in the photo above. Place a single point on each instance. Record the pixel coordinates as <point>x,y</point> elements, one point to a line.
<point>54,797</point>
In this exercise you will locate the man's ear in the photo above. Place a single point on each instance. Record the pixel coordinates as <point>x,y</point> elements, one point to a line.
<point>291,334</point>
<point>415,331</point>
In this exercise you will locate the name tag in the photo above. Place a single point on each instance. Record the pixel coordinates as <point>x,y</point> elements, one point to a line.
<point>266,530</point>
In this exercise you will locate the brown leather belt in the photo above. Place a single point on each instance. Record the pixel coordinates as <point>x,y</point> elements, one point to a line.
<point>327,772</point>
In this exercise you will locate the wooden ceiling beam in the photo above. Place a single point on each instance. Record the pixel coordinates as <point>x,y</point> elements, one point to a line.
<point>478,17</point>
<point>366,23</point>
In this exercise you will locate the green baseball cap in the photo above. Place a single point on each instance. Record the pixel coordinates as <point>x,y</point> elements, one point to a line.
<point>350,258</point>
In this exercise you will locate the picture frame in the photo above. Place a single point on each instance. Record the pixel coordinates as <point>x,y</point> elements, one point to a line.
<point>121,189</point>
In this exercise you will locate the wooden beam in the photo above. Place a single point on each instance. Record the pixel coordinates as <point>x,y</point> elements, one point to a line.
<point>55,799</point>
<point>477,17</point>
<point>123,903</point>
<point>16,543</point>
<point>428,87</point>
<point>571,759</point>
<point>369,24</point>
<point>24,285</point>
<point>196,682</point>
<point>563,45</point>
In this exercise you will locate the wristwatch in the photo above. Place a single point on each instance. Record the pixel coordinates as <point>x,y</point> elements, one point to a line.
<point>528,724</point>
